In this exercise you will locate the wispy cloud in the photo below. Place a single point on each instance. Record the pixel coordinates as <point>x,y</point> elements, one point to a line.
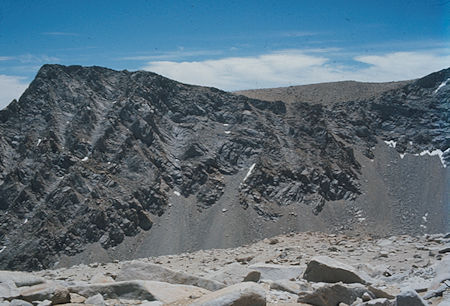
<point>31,58</point>
<point>11,87</point>
<point>295,67</point>
<point>60,34</point>
<point>172,55</point>
<point>298,34</point>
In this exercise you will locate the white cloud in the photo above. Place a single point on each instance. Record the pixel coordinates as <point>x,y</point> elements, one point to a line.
<point>11,87</point>
<point>295,67</point>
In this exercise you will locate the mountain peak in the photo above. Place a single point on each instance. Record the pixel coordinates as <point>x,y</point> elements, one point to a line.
<point>90,155</point>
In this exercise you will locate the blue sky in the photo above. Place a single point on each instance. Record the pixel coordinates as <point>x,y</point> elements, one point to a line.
<point>227,44</point>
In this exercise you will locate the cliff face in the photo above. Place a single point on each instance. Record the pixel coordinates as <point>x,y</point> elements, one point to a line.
<point>92,156</point>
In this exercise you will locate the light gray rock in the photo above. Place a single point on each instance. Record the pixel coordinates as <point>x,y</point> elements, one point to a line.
<point>140,290</point>
<point>95,300</point>
<point>328,270</point>
<point>378,302</point>
<point>332,294</point>
<point>445,301</point>
<point>8,290</point>
<point>234,273</point>
<point>43,303</point>
<point>445,249</point>
<point>436,292</point>
<point>46,291</point>
<point>17,302</point>
<point>20,279</point>
<point>289,286</point>
<point>409,297</point>
<point>276,272</point>
<point>146,271</point>
<point>101,278</point>
<point>381,293</point>
<point>242,294</point>
<point>154,303</point>
<point>442,272</point>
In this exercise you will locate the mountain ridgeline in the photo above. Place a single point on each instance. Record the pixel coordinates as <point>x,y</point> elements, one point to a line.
<point>92,156</point>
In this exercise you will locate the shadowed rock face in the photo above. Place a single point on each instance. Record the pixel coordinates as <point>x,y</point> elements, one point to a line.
<point>92,155</point>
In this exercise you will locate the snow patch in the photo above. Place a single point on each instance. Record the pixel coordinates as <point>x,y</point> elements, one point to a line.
<point>402,155</point>
<point>225,124</point>
<point>423,226</point>
<point>227,132</point>
<point>177,193</point>
<point>391,143</point>
<point>436,152</point>
<point>249,171</point>
<point>85,159</point>
<point>3,248</point>
<point>424,218</point>
<point>361,219</point>
<point>25,221</point>
<point>441,85</point>
<point>39,142</point>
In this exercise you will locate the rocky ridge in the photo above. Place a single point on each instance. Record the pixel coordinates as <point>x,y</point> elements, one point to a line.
<point>90,155</point>
<point>324,93</point>
<point>294,269</point>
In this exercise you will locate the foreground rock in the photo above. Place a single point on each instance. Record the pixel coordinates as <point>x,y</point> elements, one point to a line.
<point>244,294</point>
<point>245,282</point>
<point>277,272</point>
<point>327,270</point>
<point>410,298</point>
<point>20,279</point>
<point>234,274</point>
<point>333,294</point>
<point>140,290</point>
<point>145,271</point>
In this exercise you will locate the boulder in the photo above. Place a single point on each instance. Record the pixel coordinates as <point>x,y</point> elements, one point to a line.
<point>20,279</point>
<point>47,291</point>
<point>17,302</point>
<point>147,271</point>
<point>8,290</point>
<point>234,273</point>
<point>275,272</point>
<point>333,294</point>
<point>378,302</point>
<point>43,303</point>
<point>101,278</point>
<point>289,286</point>
<point>409,297</point>
<point>328,270</point>
<point>154,303</point>
<point>140,290</point>
<point>442,273</point>
<point>242,294</point>
<point>95,300</point>
<point>382,293</point>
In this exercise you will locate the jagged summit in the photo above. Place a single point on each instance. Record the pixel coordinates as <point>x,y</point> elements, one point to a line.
<point>132,161</point>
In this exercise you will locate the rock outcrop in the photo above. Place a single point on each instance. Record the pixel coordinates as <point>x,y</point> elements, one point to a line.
<point>93,156</point>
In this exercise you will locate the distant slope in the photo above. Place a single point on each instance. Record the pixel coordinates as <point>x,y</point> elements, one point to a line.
<point>323,93</point>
